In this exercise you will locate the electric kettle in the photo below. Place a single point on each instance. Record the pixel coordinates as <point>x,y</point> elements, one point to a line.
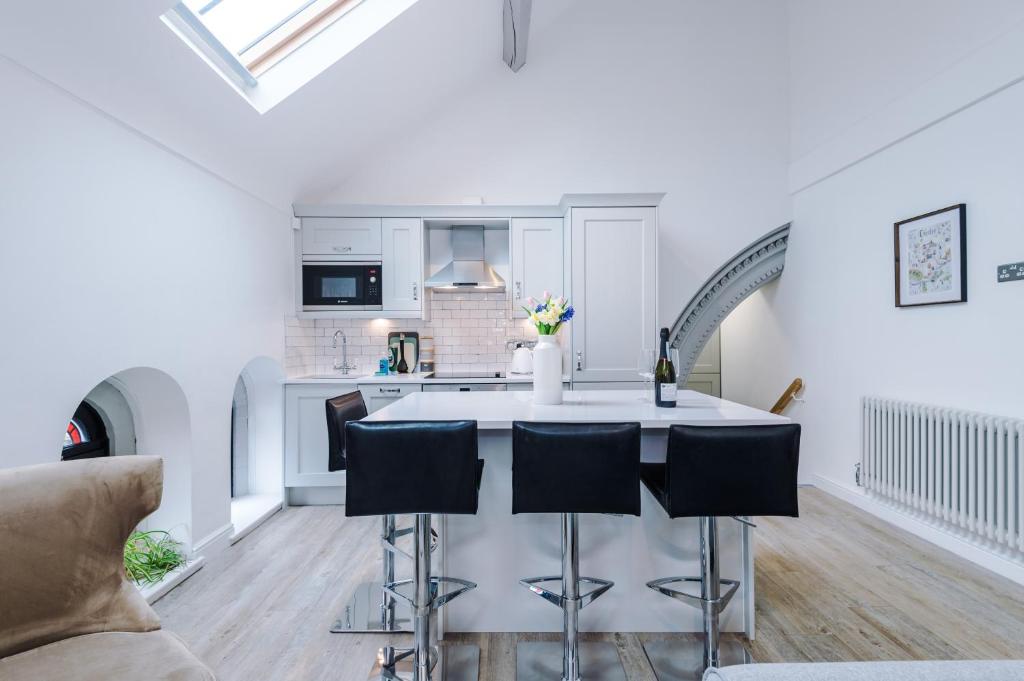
<point>522,360</point>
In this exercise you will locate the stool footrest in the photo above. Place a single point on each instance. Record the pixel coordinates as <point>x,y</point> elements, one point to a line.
<point>717,604</point>
<point>405,589</point>
<point>559,600</point>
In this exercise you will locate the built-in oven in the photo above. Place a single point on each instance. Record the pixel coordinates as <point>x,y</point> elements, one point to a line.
<point>341,286</point>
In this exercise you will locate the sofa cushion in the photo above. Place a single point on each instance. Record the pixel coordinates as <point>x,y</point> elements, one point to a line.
<point>62,528</point>
<point>109,656</point>
<point>961,670</point>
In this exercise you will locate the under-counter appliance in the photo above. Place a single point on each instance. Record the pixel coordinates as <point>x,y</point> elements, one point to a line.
<point>330,286</point>
<point>465,387</point>
<point>469,374</point>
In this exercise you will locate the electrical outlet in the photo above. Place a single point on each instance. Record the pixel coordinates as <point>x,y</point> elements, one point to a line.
<point>1011,272</point>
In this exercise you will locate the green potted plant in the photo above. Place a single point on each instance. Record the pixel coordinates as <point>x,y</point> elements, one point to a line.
<point>149,556</point>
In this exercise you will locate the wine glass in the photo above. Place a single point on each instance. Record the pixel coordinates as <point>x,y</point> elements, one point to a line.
<point>645,361</point>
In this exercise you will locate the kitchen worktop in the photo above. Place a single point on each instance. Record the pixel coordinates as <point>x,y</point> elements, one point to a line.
<point>497,410</point>
<point>405,378</point>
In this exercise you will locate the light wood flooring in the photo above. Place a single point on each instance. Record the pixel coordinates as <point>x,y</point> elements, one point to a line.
<point>835,584</point>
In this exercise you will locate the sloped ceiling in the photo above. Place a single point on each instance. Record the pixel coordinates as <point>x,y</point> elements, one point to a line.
<point>117,56</point>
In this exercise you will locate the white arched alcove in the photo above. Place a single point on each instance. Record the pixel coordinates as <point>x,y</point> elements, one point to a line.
<point>110,403</point>
<point>262,400</point>
<point>163,428</point>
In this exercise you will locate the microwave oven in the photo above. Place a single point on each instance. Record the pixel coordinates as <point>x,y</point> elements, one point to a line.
<point>336,286</point>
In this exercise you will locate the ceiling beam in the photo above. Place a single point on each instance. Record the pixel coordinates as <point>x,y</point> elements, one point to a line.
<point>516,15</point>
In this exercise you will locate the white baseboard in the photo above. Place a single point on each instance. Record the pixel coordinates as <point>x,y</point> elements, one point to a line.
<point>315,496</point>
<point>215,542</point>
<point>154,592</point>
<point>976,554</point>
<point>259,509</point>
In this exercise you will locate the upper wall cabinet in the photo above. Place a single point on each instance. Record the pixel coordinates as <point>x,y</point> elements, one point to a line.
<point>341,236</point>
<point>402,264</point>
<point>537,262</point>
<point>613,256</point>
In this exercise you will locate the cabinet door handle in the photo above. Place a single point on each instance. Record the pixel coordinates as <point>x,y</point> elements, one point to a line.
<point>343,249</point>
<point>519,290</point>
<point>415,291</point>
<point>579,360</point>
<point>390,390</point>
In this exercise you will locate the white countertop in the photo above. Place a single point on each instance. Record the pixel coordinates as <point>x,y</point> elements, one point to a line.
<point>497,410</point>
<point>406,378</point>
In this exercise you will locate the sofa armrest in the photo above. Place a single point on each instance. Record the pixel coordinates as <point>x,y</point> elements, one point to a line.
<point>62,528</point>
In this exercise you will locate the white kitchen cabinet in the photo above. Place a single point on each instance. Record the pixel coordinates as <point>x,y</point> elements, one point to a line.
<point>341,237</point>
<point>379,395</point>
<point>709,384</point>
<point>614,385</point>
<point>706,376</point>
<point>305,435</point>
<point>613,259</point>
<point>402,264</point>
<point>709,361</point>
<point>537,263</point>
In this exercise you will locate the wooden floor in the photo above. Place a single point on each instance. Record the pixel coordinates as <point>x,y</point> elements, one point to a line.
<point>835,584</point>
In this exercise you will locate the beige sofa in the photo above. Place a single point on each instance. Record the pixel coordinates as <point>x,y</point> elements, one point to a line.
<point>67,611</point>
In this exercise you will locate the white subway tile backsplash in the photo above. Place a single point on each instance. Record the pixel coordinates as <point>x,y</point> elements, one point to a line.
<point>469,331</point>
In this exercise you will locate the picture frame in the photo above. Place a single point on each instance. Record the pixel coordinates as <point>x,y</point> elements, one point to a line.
<point>931,258</point>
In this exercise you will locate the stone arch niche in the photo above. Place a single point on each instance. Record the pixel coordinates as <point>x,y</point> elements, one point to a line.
<point>264,423</point>
<point>749,270</point>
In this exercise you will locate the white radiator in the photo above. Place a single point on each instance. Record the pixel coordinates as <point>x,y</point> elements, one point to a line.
<point>958,469</point>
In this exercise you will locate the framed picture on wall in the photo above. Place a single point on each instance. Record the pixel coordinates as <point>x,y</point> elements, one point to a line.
<point>931,258</point>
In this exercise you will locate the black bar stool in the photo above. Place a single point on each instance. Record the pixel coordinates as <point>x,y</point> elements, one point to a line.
<point>421,468</point>
<point>571,469</point>
<point>370,609</point>
<point>713,471</point>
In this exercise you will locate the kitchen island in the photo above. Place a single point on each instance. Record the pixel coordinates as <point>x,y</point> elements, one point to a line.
<point>496,549</point>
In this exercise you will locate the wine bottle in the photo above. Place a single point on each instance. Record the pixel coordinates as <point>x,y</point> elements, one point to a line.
<point>664,376</point>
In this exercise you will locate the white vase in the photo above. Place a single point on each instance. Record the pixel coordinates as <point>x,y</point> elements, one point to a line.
<point>547,371</point>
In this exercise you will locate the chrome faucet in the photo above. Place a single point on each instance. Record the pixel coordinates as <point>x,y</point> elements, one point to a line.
<point>343,366</point>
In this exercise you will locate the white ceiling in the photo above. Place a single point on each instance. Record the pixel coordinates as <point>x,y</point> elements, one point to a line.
<point>118,56</point>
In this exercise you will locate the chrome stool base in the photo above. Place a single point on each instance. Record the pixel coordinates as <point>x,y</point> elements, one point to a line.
<point>569,660</point>
<point>370,610</point>
<point>542,661</point>
<point>450,663</point>
<point>362,614</point>
<point>675,660</point>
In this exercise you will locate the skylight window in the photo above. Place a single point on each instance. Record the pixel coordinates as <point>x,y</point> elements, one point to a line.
<point>245,39</point>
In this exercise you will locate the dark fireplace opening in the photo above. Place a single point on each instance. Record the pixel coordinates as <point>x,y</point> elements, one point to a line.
<point>86,435</point>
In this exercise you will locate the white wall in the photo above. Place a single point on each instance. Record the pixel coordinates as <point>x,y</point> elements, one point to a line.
<point>831,318</point>
<point>686,97</point>
<point>851,59</point>
<point>117,253</point>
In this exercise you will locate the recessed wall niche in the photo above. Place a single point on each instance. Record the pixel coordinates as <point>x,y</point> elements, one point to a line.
<point>140,410</point>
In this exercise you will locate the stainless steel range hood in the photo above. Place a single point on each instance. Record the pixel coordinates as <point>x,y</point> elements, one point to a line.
<point>468,269</point>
